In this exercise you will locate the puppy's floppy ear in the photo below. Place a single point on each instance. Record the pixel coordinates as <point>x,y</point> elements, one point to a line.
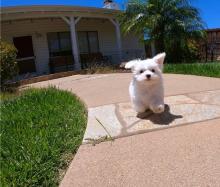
<point>131,64</point>
<point>160,59</point>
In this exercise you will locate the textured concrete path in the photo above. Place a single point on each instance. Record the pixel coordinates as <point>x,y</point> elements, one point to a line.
<point>183,156</point>
<point>103,89</point>
<point>119,120</point>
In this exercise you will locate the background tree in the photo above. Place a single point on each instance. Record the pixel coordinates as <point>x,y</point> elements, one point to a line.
<point>173,26</point>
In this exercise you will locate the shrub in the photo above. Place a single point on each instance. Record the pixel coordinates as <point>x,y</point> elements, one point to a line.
<point>8,64</point>
<point>182,51</point>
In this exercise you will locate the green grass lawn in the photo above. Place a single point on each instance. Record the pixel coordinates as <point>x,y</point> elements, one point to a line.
<point>210,69</point>
<point>202,69</point>
<point>41,129</point>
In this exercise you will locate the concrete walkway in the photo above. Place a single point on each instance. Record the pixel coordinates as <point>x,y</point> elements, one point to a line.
<point>103,89</point>
<point>184,156</point>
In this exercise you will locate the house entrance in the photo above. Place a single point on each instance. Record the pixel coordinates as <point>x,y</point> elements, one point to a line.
<point>25,56</point>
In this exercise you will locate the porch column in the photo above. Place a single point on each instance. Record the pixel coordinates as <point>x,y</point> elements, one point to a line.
<point>118,37</point>
<point>72,24</point>
<point>75,50</point>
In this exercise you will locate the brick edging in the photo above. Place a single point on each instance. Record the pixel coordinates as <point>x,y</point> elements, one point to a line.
<point>60,75</point>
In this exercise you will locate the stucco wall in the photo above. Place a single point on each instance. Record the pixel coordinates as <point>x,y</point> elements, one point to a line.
<point>38,29</point>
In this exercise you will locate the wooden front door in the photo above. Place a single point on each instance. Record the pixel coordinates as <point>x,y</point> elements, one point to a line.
<point>25,56</point>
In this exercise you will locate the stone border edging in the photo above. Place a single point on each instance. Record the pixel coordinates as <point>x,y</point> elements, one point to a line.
<point>60,75</point>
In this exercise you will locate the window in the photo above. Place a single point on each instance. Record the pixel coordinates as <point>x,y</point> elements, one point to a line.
<point>59,43</point>
<point>88,41</point>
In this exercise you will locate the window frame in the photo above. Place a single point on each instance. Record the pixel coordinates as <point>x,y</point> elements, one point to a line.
<point>59,43</point>
<point>88,43</point>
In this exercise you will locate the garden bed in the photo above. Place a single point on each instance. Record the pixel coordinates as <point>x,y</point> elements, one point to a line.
<point>203,69</point>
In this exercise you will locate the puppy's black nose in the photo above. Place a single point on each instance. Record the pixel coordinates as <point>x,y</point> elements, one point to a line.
<point>148,76</point>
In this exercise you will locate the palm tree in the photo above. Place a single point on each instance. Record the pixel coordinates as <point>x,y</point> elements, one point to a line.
<point>171,25</point>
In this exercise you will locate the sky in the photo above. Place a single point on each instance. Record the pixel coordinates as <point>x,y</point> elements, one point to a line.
<point>209,9</point>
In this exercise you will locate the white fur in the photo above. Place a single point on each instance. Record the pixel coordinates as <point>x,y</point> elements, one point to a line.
<point>147,93</point>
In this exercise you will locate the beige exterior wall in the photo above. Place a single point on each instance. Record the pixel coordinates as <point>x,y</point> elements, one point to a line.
<point>38,29</point>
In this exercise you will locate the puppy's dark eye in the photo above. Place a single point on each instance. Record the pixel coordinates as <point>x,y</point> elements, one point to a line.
<point>141,71</point>
<point>153,70</point>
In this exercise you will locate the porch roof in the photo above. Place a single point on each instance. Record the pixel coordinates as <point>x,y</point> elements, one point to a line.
<point>29,12</point>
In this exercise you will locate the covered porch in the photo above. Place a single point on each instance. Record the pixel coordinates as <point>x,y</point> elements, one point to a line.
<point>67,38</point>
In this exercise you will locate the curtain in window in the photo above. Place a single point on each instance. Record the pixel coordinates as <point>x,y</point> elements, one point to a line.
<point>88,42</point>
<point>83,42</point>
<point>93,42</point>
<point>65,41</point>
<point>53,42</point>
<point>59,43</point>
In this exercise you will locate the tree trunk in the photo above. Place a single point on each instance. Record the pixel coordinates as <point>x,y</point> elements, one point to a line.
<point>153,49</point>
<point>159,44</point>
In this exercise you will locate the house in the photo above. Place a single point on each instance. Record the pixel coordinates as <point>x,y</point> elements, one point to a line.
<point>60,38</point>
<point>210,49</point>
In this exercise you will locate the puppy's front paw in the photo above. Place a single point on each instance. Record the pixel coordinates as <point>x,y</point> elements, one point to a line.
<point>158,109</point>
<point>139,108</point>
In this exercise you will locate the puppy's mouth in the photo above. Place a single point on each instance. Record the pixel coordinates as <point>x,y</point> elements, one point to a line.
<point>148,79</point>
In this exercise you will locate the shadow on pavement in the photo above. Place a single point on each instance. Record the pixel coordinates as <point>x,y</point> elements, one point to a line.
<point>164,118</point>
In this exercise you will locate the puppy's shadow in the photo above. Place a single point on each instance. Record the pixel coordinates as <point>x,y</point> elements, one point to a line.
<point>164,118</point>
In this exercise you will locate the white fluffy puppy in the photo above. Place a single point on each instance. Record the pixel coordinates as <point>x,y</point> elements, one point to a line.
<point>146,88</point>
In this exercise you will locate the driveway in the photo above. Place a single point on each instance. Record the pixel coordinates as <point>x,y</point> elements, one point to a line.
<point>146,152</point>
